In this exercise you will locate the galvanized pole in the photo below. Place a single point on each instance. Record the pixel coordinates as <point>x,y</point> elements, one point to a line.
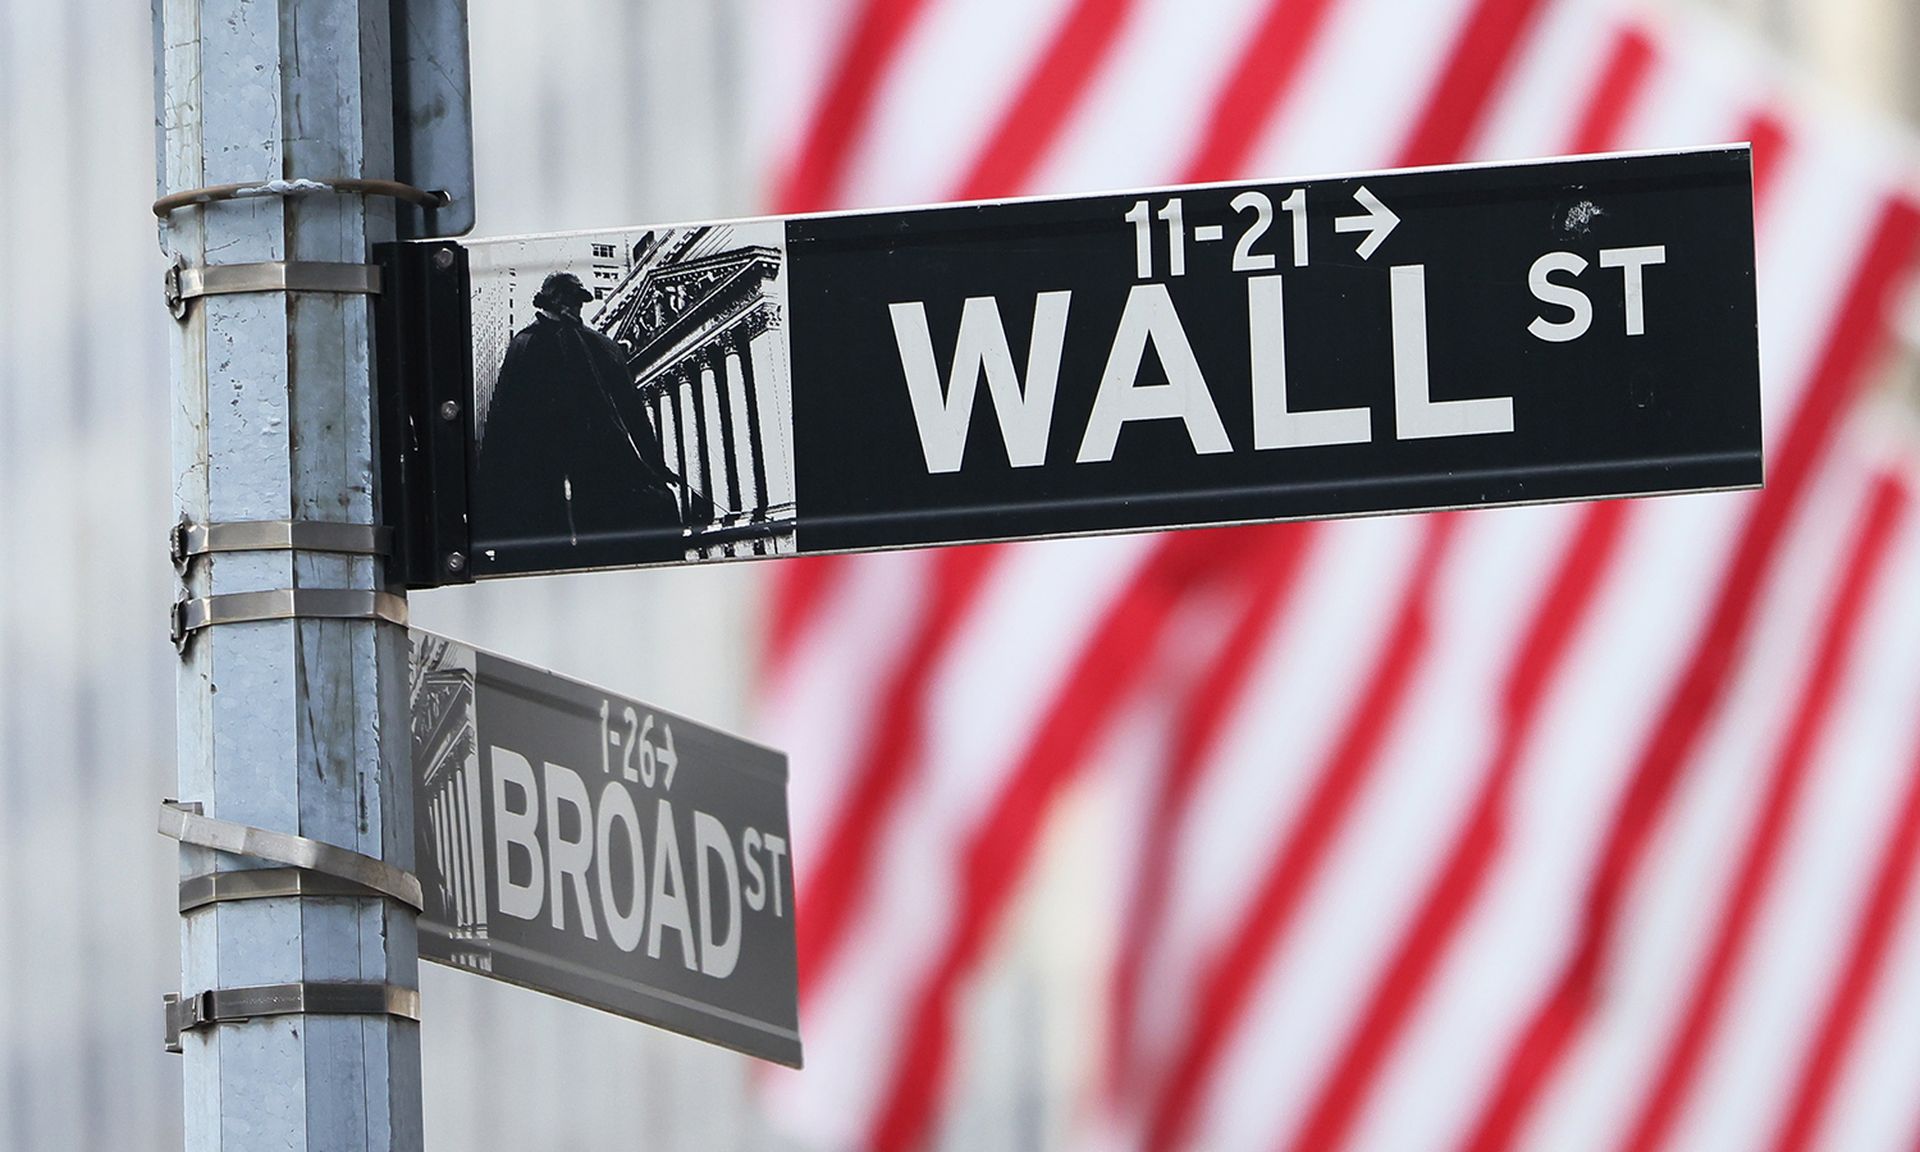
<point>298,725</point>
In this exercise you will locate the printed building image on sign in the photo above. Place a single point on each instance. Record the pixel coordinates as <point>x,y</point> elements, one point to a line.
<point>630,396</point>
<point>1216,354</point>
<point>601,850</point>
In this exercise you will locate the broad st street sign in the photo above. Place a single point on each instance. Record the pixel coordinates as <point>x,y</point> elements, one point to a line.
<point>602,850</point>
<point>1437,338</point>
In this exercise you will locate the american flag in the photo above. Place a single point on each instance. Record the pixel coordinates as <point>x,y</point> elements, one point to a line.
<point>1575,827</point>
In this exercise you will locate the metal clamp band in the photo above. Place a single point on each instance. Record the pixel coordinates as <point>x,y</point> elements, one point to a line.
<point>190,616</point>
<point>187,540</point>
<point>264,884</point>
<point>184,282</point>
<point>184,823</point>
<point>222,1005</point>
<point>426,198</point>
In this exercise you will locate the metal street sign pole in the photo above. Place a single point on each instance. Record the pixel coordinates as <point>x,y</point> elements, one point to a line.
<point>298,1013</point>
<point>1215,354</point>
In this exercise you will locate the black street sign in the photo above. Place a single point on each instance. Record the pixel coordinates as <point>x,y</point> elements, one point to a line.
<point>1231,353</point>
<point>601,850</point>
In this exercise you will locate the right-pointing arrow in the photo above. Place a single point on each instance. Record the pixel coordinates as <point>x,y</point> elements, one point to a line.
<point>1377,223</point>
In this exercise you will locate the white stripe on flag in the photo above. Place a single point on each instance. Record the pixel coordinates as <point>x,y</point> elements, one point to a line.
<point>951,85</point>
<point>1373,65</point>
<point>823,703</point>
<point>1149,105</point>
<point>984,705</point>
<point>1364,87</point>
<point>1552,83</point>
<point>1246,802</point>
<point>1825,864</point>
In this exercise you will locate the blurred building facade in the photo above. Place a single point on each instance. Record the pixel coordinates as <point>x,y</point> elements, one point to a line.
<point>1863,49</point>
<point>589,113</point>
<point>1865,53</point>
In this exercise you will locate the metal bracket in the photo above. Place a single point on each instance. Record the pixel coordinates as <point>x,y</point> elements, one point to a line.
<point>184,283</point>
<point>186,539</point>
<point>299,186</point>
<point>264,884</point>
<point>183,822</point>
<point>424,337</point>
<point>191,615</point>
<point>347,998</point>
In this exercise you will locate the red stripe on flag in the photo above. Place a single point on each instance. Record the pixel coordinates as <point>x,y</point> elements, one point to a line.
<point>1255,92</point>
<point>998,851</point>
<point>1258,87</point>
<point>801,587</point>
<point>1032,122</point>
<point>1030,126</point>
<point>1478,62</point>
<point>1051,92</point>
<point>1583,569</point>
<point>1707,999</point>
<point>1866,957</point>
<point>1477,65</point>
<point>816,181</point>
<point>1622,80</point>
<point>819,174</point>
<point>1767,133</point>
<point>1213,700</point>
<point>1703,684</point>
<point>1583,566</point>
<point>1409,973</point>
<point>1231,979</point>
<point>837,884</point>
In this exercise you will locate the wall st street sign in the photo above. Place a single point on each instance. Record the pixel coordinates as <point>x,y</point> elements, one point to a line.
<point>602,850</point>
<point>1436,338</point>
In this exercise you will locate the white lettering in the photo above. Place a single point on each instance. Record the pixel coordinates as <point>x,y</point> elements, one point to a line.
<point>1564,295</point>
<point>667,905</point>
<point>569,858</point>
<point>1274,426</point>
<point>632,744</point>
<point>1026,416</point>
<point>669,759</point>
<point>1149,316</point>
<point>756,879</point>
<point>717,956</point>
<point>516,829</point>
<point>776,850</point>
<point>1416,416</point>
<point>616,805</point>
<point>1630,261</point>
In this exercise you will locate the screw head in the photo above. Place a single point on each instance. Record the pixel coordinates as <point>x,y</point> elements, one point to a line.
<point>456,562</point>
<point>450,411</point>
<point>443,259</point>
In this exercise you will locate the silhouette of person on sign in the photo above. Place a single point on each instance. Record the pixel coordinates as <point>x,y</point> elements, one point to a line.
<point>567,457</point>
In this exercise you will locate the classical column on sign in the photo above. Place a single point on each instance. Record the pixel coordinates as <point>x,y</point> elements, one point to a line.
<point>669,428</point>
<point>473,907</point>
<point>716,434</point>
<point>455,861</point>
<point>442,848</point>
<point>737,363</point>
<point>693,443</point>
<point>451,776</point>
<point>446,851</point>
<point>725,395</point>
<point>462,878</point>
<point>766,361</point>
